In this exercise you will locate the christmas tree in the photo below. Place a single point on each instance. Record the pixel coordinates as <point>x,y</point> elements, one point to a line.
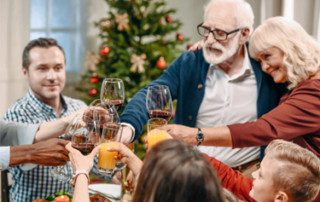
<point>139,40</point>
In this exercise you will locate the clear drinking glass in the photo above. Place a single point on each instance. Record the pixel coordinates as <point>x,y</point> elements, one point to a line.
<point>85,137</point>
<point>112,92</point>
<point>110,137</point>
<point>155,134</point>
<point>61,173</point>
<point>159,102</point>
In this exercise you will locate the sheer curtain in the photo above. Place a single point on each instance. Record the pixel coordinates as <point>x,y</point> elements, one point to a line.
<point>304,12</point>
<point>14,35</point>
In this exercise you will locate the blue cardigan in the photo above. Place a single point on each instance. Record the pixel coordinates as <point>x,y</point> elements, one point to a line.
<point>186,78</point>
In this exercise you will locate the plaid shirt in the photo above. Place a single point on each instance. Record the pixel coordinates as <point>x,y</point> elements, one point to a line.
<point>37,182</point>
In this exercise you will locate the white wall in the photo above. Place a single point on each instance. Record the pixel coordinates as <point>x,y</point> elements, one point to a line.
<point>14,35</point>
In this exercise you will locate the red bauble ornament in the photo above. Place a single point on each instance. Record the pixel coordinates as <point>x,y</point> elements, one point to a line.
<point>92,92</point>
<point>94,79</point>
<point>168,19</point>
<point>161,63</point>
<point>179,37</point>
<point>163,43</point>
<point>104,50</point>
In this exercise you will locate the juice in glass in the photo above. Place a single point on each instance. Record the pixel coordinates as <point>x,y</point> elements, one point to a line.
<point>106,161</point>
<point>156,136</point>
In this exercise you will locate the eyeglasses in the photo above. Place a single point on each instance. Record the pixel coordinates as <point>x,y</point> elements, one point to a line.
<point>219,35</point>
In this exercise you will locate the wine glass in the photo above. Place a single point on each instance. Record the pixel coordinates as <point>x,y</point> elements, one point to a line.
<point>159,102</point>
<point>61,172</point>
<point>112,92</point>
<point>85,137</point>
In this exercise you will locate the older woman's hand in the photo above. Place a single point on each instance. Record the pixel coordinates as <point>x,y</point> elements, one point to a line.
<point>184,133</point>
<point>79,161</point>
<point>197,46</point>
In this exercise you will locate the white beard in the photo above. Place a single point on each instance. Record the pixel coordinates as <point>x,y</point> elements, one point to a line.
<point>227,51</point>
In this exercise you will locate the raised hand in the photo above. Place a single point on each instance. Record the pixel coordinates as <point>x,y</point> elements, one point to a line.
<point>79,161</point>
<point>128,157</point>
<point>197,46</point>
<point>50,152</point>
<point>183,133</point>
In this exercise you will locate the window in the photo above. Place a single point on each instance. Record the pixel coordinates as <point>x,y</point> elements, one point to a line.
<point>65,21</point>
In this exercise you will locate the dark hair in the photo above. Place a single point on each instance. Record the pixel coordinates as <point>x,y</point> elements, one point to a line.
<point>174,171</point>
<point>40,42</point>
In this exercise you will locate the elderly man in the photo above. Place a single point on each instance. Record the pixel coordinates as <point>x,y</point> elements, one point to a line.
<point>216,86</point>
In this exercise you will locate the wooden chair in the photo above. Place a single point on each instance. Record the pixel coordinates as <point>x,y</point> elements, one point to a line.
<point>4,186</point>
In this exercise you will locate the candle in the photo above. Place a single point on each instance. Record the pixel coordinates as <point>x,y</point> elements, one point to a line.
<point>62,198</point>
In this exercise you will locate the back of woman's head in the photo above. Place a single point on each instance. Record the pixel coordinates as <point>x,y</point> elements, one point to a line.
<point>173,171</point>
<point>301,51</point>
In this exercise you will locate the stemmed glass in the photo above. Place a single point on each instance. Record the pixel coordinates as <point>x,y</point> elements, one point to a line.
<point>61,172</point>
<point>159,102</point>
<point>112,92</point>
<point>85,136</point>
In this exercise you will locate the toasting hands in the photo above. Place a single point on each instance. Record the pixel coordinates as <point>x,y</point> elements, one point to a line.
<point>49,152</point>
<point>183,133</point>
<point>128,157</point>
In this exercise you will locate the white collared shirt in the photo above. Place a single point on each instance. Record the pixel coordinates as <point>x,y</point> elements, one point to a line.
<point>229,100</point>
<point>4,157</point>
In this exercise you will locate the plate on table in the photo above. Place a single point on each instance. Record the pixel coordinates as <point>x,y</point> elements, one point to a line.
<point>113,190</point>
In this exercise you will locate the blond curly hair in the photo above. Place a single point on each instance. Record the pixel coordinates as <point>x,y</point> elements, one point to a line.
<point>301,51</point>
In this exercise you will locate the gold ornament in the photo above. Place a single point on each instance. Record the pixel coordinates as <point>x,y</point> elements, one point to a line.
<point>122,21</point>
<point>137,63</point>
<point>105,23</point>
<point>91,61</point>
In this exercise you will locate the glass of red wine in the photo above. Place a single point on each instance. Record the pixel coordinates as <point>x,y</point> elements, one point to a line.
<point>85,137</point>
<point>159,102</point>
<point>112,92</point>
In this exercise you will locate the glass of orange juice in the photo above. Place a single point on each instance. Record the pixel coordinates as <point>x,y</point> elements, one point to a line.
<point>155,134</point>
<point>110,137</point>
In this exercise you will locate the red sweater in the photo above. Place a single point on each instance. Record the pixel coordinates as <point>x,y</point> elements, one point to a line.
<point>232,180</point>
<point>297,118</point>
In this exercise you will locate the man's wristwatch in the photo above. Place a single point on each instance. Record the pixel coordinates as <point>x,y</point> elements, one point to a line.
<point>200,136</point>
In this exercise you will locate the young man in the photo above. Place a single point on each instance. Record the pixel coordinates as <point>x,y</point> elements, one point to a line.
<point>220,85</point>
<point>44,68</point>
